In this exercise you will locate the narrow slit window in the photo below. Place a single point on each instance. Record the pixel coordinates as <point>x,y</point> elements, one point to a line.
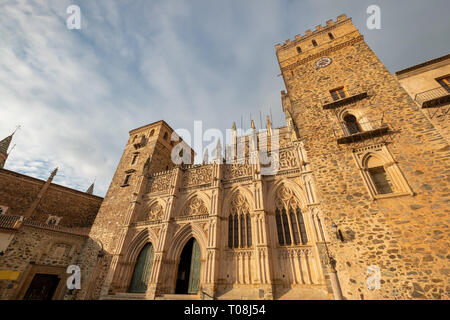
<point>279,227</point>
<point>236,231</point>
<point>135,156</point>
<point>249,231</point>
<point>294,227</point>
<point>127,179</point>
<point>287,233</point>
<point>243,238</point>
<point>230,231</point>
<point>301,223</point>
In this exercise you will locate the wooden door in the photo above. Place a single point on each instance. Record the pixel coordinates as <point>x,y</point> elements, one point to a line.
<point>194,274</point>
<point>142,270</point>
<point>42,287</point>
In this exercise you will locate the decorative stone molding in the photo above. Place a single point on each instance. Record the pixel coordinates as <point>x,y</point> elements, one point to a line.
<point>382,154</point>
<point>155,212</point>
<point>160,183</point>
<point>239,204</point>
<point>194,207</point>
<point>235,171</point>
<point>197,176</point>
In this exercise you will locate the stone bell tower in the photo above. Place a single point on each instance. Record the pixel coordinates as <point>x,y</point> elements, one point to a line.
<point>147,151</point>
<point>377,160</point>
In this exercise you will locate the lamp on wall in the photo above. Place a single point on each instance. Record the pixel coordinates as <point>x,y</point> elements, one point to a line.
<point>337,232</point>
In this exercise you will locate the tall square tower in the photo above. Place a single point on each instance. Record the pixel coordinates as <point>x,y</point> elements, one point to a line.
<point>379,164</point>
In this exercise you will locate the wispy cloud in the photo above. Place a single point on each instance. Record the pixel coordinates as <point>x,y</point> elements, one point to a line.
<point>77,93</point>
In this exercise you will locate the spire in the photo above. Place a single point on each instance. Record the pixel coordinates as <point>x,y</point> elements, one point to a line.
<point>253,125</point>
<point>218,152</point>
<point>4,146</point>
<point>90,190</point>
<point>234,126</point>
<point>206,156</point>
<point>41,193</point>
<point>269,125</point>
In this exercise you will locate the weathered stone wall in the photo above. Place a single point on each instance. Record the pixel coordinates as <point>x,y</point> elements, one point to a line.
<point>33,248</point>
<point>406,235</point>
<point>423,78</point>
<point>77,209</point>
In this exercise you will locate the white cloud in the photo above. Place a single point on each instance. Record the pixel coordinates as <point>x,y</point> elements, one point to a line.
<point>77,93</point>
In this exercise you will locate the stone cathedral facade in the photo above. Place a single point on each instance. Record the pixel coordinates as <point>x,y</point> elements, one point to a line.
<point>358,209</point>
<point>362,188</point>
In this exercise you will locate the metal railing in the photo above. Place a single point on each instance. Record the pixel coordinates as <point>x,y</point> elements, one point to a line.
<point>351,94</point>
<point>357,131</point>
<point>433,97</point>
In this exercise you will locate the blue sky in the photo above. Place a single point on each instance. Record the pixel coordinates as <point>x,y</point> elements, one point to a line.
<point>77,93</point>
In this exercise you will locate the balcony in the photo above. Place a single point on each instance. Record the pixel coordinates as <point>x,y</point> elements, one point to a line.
<point>434,97</point>
<point>357,132</point>
<point>352,95</point>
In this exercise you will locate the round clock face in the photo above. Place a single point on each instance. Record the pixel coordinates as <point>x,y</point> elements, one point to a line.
<point>323,62</point>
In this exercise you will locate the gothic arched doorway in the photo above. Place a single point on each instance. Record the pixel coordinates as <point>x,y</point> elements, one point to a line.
<point>188,275</point>
<point>142,269</point>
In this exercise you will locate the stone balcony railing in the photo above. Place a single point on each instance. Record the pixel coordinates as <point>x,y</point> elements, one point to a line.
<point>434,97</point>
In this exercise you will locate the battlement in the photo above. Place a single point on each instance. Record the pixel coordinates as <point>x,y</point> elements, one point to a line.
<point>319,29</point>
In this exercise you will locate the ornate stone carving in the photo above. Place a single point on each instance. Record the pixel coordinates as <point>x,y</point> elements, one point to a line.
<point>159,183</point>
<point>194,207</point>
<point>235,171</point>
<point>285,198</point>
<point>288,159</point>
<point>239,204</point>
<point>197,176</point>
<point>155,212</point>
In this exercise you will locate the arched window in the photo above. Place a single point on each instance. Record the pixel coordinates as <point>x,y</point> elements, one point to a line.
<point>314,42</point>
<point>152,133</point>
<point>379,176</point>
<point>299,50</point>
<point>142,269</point>
<point>351,124</point>
<point>239,224</point>
<point>331,36</point>
<point>381,173</point>
<point>289,221</point>
<point>166,135</point>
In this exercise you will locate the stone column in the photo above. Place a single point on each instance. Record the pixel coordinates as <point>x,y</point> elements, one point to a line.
<point>156,285</point>
<point>211,272</point>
